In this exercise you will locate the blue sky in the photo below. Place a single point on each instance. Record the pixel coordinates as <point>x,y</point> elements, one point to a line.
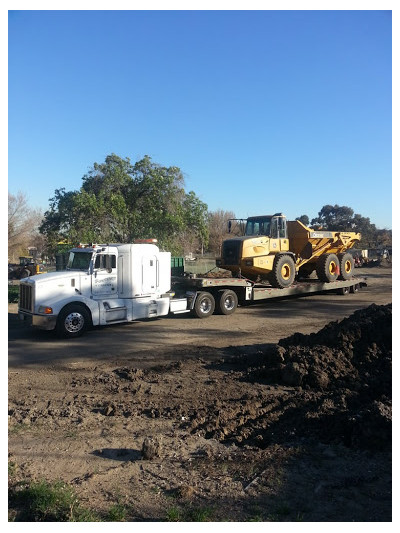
<point>263,111</point>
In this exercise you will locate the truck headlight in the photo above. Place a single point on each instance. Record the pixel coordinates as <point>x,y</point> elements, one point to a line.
<point>44,310</point>
<point>249,262</point>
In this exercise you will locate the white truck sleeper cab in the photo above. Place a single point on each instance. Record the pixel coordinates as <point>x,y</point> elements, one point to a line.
<point>103,284</point>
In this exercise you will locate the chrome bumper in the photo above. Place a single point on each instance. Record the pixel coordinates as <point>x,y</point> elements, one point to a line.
<point>39,321</point>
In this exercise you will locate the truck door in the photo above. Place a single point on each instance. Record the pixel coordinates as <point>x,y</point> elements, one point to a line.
<point>149,274</point>
<point>104,278</point>
<point>279,241</point>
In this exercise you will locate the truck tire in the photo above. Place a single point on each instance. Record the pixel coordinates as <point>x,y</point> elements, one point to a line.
<point>25,273</point>
<point>344,291</point>
<point>283,272</point>
<point>72,321</point>
<point>227,302</point>
<point>204,305</point>
<point>328,268</point>
<point>346,264</point>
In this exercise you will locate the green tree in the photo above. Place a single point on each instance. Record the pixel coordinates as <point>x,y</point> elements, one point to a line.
<point>120,202</point>
<point>334,217</point>
<point>343,218</point>
<point>304,219</point>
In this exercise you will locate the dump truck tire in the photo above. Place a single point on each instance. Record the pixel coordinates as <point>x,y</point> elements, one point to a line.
<point>346,264</point>
<point>283,272</point>
<point>226,302</point>
<point>328,268</point>
<point>204,305</point>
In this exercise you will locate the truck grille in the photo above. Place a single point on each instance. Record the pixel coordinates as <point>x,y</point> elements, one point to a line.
<point>231,252</point>
<point>25,297</point>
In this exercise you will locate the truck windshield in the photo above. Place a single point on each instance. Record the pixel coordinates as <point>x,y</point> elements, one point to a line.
<point>260,226</point>
<point>79,260</point>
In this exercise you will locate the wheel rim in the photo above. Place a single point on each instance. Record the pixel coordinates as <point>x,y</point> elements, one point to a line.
<point>332,267</point>
<point>285,272</point>
<point>229,303</point>
<point>205,305</point>
<point>74,322</point>
<point>347,267</point>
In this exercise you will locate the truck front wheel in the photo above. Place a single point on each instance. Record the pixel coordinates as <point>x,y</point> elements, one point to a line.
<point>204,305</point>
<point>283,272</point>
<point>73,321</point>
<point>227,302</point>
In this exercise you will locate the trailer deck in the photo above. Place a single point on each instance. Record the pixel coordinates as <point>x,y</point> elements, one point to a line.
<point>258,291</point>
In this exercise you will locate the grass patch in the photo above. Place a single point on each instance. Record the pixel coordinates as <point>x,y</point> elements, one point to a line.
<point>13,294</point>
<point>44,502</point>
<point>190,514</point>
<point>41,501</point>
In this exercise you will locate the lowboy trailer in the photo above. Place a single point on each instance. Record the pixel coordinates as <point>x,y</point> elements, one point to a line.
<point>223,295</point>
<point>114,283</point>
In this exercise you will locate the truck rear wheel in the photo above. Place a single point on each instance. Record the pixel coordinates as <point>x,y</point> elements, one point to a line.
<point>204,305</point>
<point>283,272</point>
<point>328,268</point>
<point>73,321</point>
<point>346,263</point>
<point>227,302</point>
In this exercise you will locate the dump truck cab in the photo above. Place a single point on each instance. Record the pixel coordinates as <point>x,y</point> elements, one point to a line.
<point>253,251</point>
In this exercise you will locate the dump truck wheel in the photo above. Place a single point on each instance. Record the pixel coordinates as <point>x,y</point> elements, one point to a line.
<point>204,305</point>
<point>227,302</point>
<point>328,268</point>
<point>72,321</point>
<point>346,263</point>
<point>283,272</point>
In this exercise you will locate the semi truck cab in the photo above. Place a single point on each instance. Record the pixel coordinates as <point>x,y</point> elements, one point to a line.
<point>102,284</point>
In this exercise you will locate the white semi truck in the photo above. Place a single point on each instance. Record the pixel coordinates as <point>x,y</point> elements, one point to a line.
<point>111,283</point>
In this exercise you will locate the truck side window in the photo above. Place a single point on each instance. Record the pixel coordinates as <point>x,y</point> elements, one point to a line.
<point>274,228</point>
<point>103,259</point>
<point>282,228</point>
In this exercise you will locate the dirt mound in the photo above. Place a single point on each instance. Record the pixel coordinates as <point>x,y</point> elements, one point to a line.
<point>342,387</point>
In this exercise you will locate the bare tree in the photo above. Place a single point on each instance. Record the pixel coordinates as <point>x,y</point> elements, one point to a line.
<point>218,228</point>
<point>23,222</point>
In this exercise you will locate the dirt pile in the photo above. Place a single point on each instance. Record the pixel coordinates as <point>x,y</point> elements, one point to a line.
<point>343,380</point>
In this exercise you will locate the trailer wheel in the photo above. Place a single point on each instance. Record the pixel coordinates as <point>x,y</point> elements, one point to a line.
<point>283,272</point>
<point>73,321</point>
<point>346,263</point>
<point>354,288</point>
<point>204,305</point>
<point>344,291</point>
<point>328,268</point>
<point>227,302</point>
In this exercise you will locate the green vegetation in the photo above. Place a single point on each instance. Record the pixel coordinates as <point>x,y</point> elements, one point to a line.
<point>40,501</point>
<point>189,514</point>
<point>120,202</point>
<point>13,293</point>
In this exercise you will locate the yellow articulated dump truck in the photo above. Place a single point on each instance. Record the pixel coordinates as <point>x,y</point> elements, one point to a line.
<point>272,249</point>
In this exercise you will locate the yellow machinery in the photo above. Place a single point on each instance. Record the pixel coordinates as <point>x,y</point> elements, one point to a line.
<point>275,250</point>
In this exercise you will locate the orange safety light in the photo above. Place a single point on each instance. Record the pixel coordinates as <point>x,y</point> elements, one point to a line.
<point>145,241</point>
